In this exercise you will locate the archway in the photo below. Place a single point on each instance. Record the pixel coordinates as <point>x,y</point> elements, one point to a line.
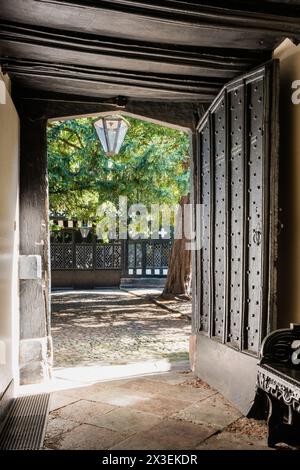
<point>85,262</point>
<point>36,343</point>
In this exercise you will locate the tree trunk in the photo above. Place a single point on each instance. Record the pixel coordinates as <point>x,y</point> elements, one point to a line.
<point>180,263</point>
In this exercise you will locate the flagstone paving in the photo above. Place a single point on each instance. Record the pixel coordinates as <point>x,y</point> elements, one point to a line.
<point>172,410</point>
<point>115,327</point>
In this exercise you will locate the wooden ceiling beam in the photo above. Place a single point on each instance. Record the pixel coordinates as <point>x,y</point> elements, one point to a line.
<point>100,90</point>
<point>90,79</point>
<point>167,49</point>
<point>278,16</point>
<point>39,104</point>
<point>233,25</point>
<point>230,59</point>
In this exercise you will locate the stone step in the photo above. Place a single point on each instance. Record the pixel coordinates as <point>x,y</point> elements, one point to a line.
<point>143,282</point>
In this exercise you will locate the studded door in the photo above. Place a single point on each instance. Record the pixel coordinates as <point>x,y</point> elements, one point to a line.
<point>237,168</point>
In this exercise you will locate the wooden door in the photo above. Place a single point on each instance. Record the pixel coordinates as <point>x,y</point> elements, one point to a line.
<point>237,186</point>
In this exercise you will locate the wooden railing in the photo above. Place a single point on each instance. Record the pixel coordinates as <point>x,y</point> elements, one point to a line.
<point>133,258</point>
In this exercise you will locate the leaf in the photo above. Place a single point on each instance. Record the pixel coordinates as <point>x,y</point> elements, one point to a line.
<point>152,167</point>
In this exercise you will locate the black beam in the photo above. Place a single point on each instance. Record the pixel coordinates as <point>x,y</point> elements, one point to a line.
<point>92,49</point>
<point>95,80</point>
<point>39,105</point>
<point>231,24</point>
<point>191,11</point>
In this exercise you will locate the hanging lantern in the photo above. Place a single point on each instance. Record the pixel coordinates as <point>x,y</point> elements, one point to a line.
<point>111,131</point>
<point>84,232</point>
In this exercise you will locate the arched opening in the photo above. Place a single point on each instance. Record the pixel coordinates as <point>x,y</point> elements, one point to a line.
<point>108,319</point>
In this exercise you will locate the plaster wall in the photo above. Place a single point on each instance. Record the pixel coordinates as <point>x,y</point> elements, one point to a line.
<point>289,214</point>
<point>9,242</point>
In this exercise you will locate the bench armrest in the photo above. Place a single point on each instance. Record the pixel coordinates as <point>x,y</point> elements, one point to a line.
<point>282,346</point>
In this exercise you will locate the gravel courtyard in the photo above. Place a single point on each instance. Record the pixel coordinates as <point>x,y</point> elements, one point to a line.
<point>114,327</point>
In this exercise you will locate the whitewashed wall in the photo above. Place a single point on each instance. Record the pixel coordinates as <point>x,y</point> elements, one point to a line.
<point>9,240</point>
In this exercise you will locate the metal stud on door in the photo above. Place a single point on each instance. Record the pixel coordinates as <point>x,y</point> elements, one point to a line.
<point>205,192</point>
<point>236,190</point>
<point>219,217</point>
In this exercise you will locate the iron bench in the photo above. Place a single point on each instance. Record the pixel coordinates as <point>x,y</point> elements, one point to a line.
<point>278,380</point>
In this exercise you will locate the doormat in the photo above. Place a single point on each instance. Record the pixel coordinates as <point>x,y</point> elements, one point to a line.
<point>25,424</point>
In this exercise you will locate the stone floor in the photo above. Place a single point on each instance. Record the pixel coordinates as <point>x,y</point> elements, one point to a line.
<point>115,327</point>
<point>99,330</point>
<point>159,412</point>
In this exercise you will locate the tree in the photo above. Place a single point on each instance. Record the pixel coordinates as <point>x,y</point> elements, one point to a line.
<point>180,264</point>
<point>151,168</point>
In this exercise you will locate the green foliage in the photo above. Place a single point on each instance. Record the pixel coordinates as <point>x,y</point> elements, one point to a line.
<point>151,168</point>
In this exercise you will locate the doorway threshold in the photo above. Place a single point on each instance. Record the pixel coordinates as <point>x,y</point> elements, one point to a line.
<point>82,376</point>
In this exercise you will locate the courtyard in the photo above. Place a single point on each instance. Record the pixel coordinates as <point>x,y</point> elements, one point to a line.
<point>113,326</point>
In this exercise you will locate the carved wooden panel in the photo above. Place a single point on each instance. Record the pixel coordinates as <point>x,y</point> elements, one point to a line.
<point>84,256</point>
<point>147,258</point>
<point>61,256</point>
<point>108,256</point>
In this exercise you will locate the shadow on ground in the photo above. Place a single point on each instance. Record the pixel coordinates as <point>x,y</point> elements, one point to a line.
<point>117,327</point>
